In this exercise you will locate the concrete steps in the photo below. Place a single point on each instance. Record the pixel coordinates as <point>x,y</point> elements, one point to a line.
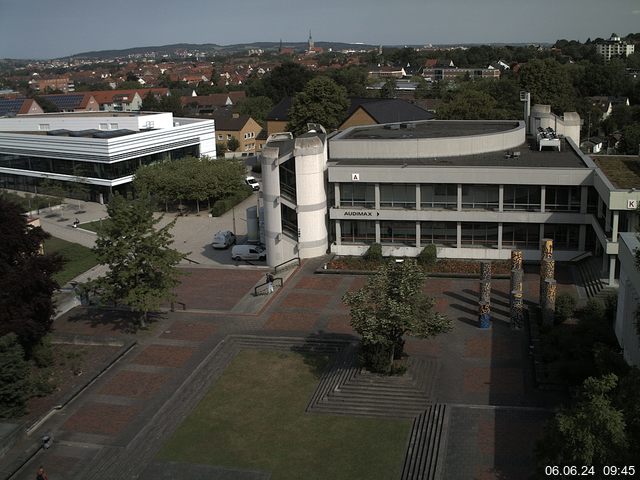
<point>421,459</point>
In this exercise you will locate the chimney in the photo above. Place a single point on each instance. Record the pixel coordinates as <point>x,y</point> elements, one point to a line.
<point>235,115</point>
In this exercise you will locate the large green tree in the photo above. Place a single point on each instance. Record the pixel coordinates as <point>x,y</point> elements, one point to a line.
<point>322,101</point>
<point>591,432</point>
<point>549,84</point>
<point>26,278</point>
<point>391,305</point>
<point>256,107</point>
<point>14,377</point>
<point>630,142</point>
<point>141,264</point>
<point>283,81</point>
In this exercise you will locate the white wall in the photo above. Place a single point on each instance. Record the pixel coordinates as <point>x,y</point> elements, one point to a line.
<point>628,300</point>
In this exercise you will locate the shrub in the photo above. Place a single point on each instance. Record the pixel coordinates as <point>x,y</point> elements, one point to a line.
<point>374,253</point>
<point>376,357</point>
<point>226,204</point>
<point>428,256</point>
<point>14,383</point>
<point>611,307</point>
<point>41,354</point>
<point>565,307</point>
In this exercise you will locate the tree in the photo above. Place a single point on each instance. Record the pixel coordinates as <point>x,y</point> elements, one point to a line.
<point>233,144</point>
<point>142,267</point>
<point>150,103</point>
<point>221,149</point>
<point>549,84</point>
<point>353,78</point>
<point>630,143</point>
<point>14,377</point>
<point>389,306</point>
<point>388,90</point>
<point>256,107</point>
<point>283,81</point>
<point>26,283</point>
<point>592,432</point>
<point>469,105</point>
<point>322,101</point>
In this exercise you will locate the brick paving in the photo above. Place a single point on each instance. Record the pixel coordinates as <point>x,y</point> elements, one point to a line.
<point>476,368</point>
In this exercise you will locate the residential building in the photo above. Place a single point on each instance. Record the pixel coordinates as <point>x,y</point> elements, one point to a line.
<point>102,150</point>
<point>64,84</point>
<point>437,74</point>
<point>73,102</point>
<point>125,100</point>
<point>241,127</point>
<point>208,104</point>
<point>614,47</point>
<point>475,189</point>
<point>18,106</point>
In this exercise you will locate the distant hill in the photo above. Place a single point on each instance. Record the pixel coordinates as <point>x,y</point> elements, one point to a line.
<point>212,48</point>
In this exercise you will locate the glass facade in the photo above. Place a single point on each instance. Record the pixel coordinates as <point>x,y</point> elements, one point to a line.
<point>565,237</point>
<point>357,195</point>
<point>79,168</point>
<point>358,232</point>
<point>562,199</point>
<point>401,195</point>
<point>289,222</point>
<point>398,232</point>
<point>521,197</point>
<point>439,233</point>
<point>440,196</point>
<point>521,235</point>
<point>480,235</point>
<point>287,172</point>
<point>480,197</point>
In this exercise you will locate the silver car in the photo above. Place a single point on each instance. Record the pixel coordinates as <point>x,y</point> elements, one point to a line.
<point>223,239</point>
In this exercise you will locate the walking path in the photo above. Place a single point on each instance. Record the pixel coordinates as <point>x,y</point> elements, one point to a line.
<point>481,411</point>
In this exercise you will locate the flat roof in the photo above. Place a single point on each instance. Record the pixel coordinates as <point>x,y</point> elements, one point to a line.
<point>529,157</point>
<point>86,114</point>
<point>428,129</point>
<point>622,171</point>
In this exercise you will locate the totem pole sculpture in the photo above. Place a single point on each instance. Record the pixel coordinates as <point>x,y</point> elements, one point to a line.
<point>484,303</point>
<point>548,285</point>
<point>516,312</point>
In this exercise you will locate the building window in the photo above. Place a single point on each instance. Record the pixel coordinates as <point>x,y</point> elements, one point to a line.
<point>521,197</point>
<point>103,126</point>
<point>480,197</point>
<point>439,233</point>
<point>400,195</point>
<point>592,200</point>
<point>44,127</point>
<point>443,196</point>
<point>398,232</point>
<point>357,195</point>
<point>289,222</point>
<point>288,179</point>
<point>113,126</point>
<point>565,237</point>
<point>521,235</point>
<point>228,137</point>
<point>562,199</point>
<point>480,235</point>
<point>357,231</point>
<point>220,137</point>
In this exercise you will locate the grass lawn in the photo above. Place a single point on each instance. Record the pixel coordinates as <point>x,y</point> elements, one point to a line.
<point>92,226</point>
<point>79,258</point>
<point>253,418</point>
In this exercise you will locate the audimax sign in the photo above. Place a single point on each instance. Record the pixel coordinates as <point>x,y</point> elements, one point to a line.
<point>360,213</point>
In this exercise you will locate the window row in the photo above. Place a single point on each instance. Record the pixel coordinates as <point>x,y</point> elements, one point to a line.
<point>473,197</point>
<point>473,234</point>
<point>78,168</point>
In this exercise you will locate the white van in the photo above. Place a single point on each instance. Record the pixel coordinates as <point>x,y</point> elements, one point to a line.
<point>223,239</point>
<point>248,252</point>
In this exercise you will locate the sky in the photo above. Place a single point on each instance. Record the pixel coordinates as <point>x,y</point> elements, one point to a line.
<point>57,28</point>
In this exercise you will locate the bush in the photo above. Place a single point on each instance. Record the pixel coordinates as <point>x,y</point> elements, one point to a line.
<point>374,253</point>
<point>611,308</point>
<point>42,354</point>
<point>428,256</point>
<point>376,357</point>
<point>226,204</point>
<point>14,382</point>
<point>565,307</point>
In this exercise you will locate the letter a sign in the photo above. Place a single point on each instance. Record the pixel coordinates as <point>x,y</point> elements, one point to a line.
<point>355,177</point>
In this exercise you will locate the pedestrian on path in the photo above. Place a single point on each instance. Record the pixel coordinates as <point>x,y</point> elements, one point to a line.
<point>41,475</point>
<point>269,283</point>
<point>76,222</point>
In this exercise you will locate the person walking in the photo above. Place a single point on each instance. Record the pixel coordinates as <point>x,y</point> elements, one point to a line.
<point>41,474</point>
<point>269,283</point>
<point>76,222</point>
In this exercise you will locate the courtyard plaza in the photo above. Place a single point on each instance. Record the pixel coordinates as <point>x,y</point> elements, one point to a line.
<point>490,413</point>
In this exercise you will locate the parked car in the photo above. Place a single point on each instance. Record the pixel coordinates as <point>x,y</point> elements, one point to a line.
<point>248,252</point>
<point>253,183</point>
<point>223,239</point>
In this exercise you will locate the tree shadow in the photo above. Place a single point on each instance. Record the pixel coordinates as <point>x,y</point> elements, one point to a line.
<point>468,321</point>
<point>101,318</point>
<point>319,350</point>
<point>462,298</point>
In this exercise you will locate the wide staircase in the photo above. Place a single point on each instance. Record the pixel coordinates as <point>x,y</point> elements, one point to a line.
<point>589,271</point>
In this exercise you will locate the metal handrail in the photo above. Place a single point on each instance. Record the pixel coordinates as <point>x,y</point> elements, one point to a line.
<point>275,269</point>
<point>255,290</point>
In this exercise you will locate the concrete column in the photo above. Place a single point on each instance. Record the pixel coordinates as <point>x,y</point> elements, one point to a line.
<point>459,207</point>
<point>336,194</point>
<point>377,198</point>
<point>543,199</point>
<point>418,197</point>
<point>614,227</point>
<point>612,270</point>
<point>541,234</point>
<point>500,236</point>
<point>338,232</point>
<point>584,195</point>
<point>458,235</point>
<point>582,238</point>
<point>418,235</point>
<point>378,231</point>
<point>501,199</point>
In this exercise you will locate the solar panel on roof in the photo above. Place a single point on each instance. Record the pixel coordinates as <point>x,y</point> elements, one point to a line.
<point>65,102</point>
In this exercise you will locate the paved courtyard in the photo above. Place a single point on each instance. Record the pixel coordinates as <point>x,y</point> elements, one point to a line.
<point>119,423</point>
